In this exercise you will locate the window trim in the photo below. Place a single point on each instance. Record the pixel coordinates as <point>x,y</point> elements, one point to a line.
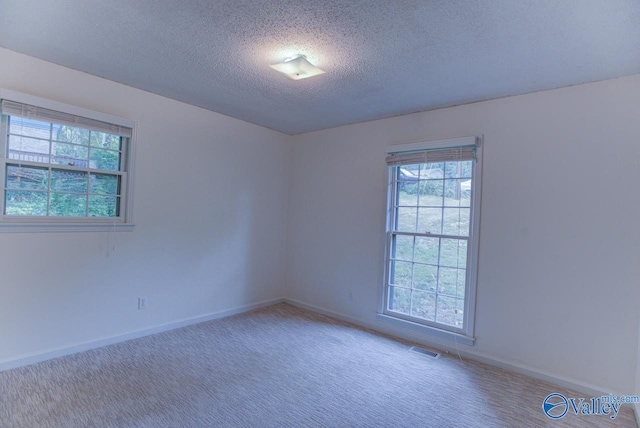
<point>466,334</point>
<point>73,224</point>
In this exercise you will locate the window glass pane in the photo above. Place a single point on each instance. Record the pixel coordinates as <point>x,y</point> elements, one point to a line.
<point>466,169</point>
<point>462,254</point>
<point>459,312</point>
<point>104,184</point>
<point>403,247</point>
<point>447,281</point>
<point>430,220</point>
<point>427,250</point>
<point>400,300</point>
<point>29,127</point>
<point>465,214</point>
<point>425,277</point>
<point>105,159</point>
<point>454,169</point>
<point>451,221</point>
<point>406,219</point>
<point>401,273</point>
<point>69,154</point>
<point>446,310</point>
<point>408,173</point>
<point>431,193</point>
<point>453,253</point>
<point>456,221</point>
<point>461,284</point>
<point>453,192</point>
<point>68,205</point>
<point>465,193</point>
<point>431,170</point>
<point>408,177</point>
<point>105,141</point>
<point>408,193</point>
<point>104,206</point>
<point>69,181</point>
<point>423,305</point>
<point>25,203</point>
<point>28,149</point>
<point>407,196</point>
<point>70,134</point>
<point>27,178</point>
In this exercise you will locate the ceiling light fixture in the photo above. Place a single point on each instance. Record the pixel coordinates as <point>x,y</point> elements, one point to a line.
<point>297,67</point>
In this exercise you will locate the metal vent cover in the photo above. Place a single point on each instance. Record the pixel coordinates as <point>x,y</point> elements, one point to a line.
<point>425,352</point>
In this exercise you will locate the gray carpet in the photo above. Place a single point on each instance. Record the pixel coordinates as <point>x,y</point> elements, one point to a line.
<point>275,367</point>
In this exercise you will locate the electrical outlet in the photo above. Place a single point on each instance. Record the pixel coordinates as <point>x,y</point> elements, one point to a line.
<point>142,302</point>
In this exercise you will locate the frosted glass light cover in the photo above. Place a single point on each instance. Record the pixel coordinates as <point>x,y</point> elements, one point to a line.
<point>297,68</point>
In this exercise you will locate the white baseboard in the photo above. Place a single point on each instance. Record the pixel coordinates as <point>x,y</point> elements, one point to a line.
<point>26,360</point>
<point>466,351</point>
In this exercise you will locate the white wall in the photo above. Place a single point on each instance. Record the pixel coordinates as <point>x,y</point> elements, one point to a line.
<point>559,267</point>
<point>210,212</point>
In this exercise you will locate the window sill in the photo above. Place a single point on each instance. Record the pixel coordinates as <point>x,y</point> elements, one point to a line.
<point>427,330</point>
<point>64,227</point>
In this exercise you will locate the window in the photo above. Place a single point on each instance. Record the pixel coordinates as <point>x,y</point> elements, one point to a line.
<point>432,234</point>
<point>59,167</point>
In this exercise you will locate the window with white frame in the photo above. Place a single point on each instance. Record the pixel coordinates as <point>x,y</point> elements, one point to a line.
<point>61,167</point>
<point>432,233</point>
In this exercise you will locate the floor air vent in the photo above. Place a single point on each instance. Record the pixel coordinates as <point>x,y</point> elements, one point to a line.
<point>424,352</point>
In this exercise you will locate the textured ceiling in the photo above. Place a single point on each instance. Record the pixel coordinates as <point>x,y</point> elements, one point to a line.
<point>382,57</point>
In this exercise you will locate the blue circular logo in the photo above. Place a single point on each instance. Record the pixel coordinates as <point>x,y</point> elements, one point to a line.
<point>555,405</point>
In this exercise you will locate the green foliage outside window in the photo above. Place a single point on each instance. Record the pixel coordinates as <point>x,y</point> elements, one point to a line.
<point>34,191</point>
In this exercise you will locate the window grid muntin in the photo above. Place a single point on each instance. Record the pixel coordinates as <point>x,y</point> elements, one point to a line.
<point>395,197</point>
<point>51,140</point>
<point>437,293</point>
<point>119,174</point>
<point>49,191</point>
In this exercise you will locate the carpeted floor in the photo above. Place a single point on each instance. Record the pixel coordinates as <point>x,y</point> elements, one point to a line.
<point>276,367</point>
